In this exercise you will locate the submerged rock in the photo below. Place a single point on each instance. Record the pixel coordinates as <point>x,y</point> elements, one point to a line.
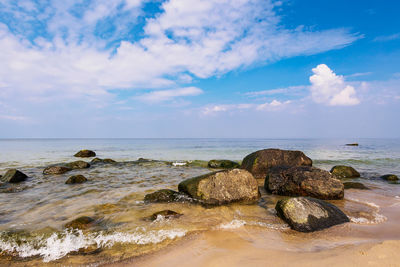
<point>85,154</point>
<point>167,214</point>
<point>166,195</point>
<point>222,187</point>
<point>390,177</point>
<point>341,171</point>
<point>259,162</point>
<point>303,181</point>
<point>223,164</point>
<point>79,164</point>
<point>76,179</point>
<point>56,170</point>
<point>80,223</point>
<point>355,185</point>
<point>14,176</point>
<point>99,160</point>
<point>306,214</point>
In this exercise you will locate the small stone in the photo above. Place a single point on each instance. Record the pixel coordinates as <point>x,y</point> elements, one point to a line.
<point>14,176</point>
<point>85,154</point>
<point>76,179</point>
<point>56,170</point>
<point>390,177</point>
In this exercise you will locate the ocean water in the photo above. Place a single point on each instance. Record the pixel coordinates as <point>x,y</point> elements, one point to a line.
<point>33,213</point>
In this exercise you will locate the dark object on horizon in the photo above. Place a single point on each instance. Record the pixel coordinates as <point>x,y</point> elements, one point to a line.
<point>76,179</point>
<point>303,181</point>
<point>305,214</point>
<point>258,163</point>
<point>355,185</point>
<point>85,154</point>
<point>390,177</point>
<point>341,171</point>
<point>58,169</point>
<point>14,176</point>
<point>223,164</point>
<point>167,214</point>
<point>352,144</point>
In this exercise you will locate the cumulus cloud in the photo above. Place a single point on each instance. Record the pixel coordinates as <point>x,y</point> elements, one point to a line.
<point>331,89</point>
<point>165,95</point>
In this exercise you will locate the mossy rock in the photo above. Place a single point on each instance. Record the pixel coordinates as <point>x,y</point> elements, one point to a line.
<point>223,164</point>
<point>390,177</point>
<point>76,179</point>
<point>167,214</point>
<point>306,214</point>
<point>167,195</point>
<point>58,169</point>
<point>341,171</point>
<point>355,185</point>
<point>85,153</point>
<point>79,164</point>
<point>14,176</point>
<point>80,223</point>
<point>99,160</point>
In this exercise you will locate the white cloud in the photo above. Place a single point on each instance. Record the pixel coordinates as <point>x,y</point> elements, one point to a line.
<point>291,90</point>
<point>165,95</point>
<point>268,106</point>
<point>331,89</point>
<point>386,38</point>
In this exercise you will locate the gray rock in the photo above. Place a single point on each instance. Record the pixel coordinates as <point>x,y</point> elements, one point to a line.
<point>85,154</point>
<point>76,179</point>
<point>167,195</point>
<point>14,176</point>
<point>341,172</point>
<point>390,177</point>
<point>79,164</point>
<point>59,169</point>
<point>223,164</point>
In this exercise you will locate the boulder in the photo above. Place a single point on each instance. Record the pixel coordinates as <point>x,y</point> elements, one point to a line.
<point>303,181</point>
<point>85,154</point>
<point>76,179</point>
<point>222,187</point>
<point>80,223</point>
<point>167,214</point>
<point>341,171</point>
<point>56,169</point>
<point>355,185</point>
<point>306,214</point>
<point>14,176</point>
<point>166,195</point>
<point>223,164</point>
<point>390,177</point>
<point>259,162</point>
<point>79,164</point>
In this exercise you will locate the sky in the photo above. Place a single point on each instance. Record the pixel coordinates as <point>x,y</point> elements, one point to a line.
<point>199,69</point>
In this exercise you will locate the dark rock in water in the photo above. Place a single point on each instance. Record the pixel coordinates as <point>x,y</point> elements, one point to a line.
<point>355,185</point>
<point>305,214</point>
<point>341,171</point>
<point>352,144</point>
<point>81,223</point>
<point>56,170</point>
<point>259,162</point>
<point>14,176</point>
<point>222,187</point>
<point>223,164</point>
<point>166,195</point>
<point>85,154</point>
<point>390,177</point>
<point>79,164</point>
<point>166,214</point>
<point>303,181</point>
<point>76,179</point>
<point>99,160</point>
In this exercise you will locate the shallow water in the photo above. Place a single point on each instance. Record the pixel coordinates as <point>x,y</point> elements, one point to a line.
<point>33,216</point>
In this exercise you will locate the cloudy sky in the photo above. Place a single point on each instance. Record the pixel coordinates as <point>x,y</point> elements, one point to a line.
<point>199,68</point>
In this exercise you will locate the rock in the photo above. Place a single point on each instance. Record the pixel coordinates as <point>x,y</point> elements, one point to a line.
<point>76,179</point>
<point>167,214</point>
<point>341,171</point>
<point>197,163</point>
<point>81,223</point>
<point>303,181</point>
<point>259,162</point>
<point>355,185</point>
<point>390,177</point>
<point>56,169</point>
<point>166,195</point>
<point>85,154</point>
<point>305,214</point>
<point>99,160</point>
<point>223,164</point>
<point>222,187</point>
<point>79,164</point>
<point>352,144</point>
<point>14,176</point>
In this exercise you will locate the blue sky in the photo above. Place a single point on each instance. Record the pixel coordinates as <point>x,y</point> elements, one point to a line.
<point>199,68</point>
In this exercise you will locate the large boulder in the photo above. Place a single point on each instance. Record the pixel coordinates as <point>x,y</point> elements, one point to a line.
<point>76,179</point>
<point>223,164</point>
<point>222,187</point>
<point>341,171</point>
<point>14,176</point>
<point>166,195</point>
<point>303,181</point>
<point>390,177</point>
<point>306,214</point>
<point>85,154</point>
<point>259,162</point>
<point>58,169</point>
<point>79,164</point>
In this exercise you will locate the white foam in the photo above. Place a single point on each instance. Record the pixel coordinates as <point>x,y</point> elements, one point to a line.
<point>57,246</point>
<point>371,204</point>
<point>378,218</point>
<point>234,224</point>
<point>179,163</point>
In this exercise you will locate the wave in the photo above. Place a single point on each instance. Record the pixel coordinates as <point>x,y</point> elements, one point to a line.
<point>377,217</point>
<point>59,245</point>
